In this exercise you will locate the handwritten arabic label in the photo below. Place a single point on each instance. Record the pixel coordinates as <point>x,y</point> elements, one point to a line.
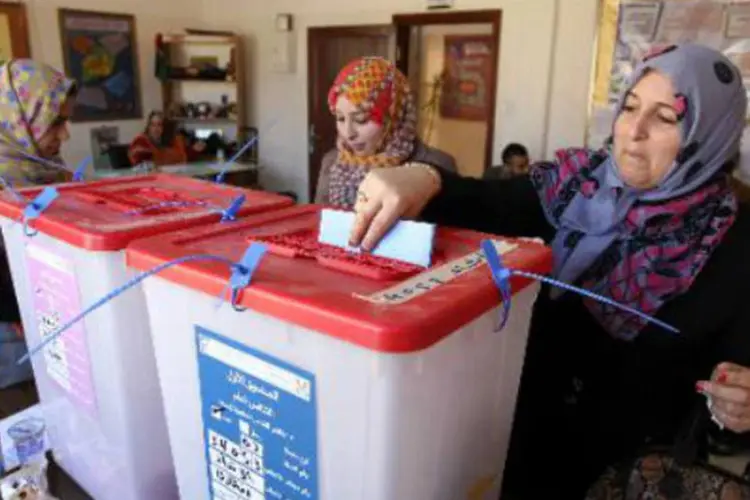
<point>434,278</point>
<point>220,477</point>
<point>259,423</point>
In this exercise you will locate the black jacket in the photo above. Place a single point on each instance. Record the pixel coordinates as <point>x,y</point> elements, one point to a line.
<point>587,400</point>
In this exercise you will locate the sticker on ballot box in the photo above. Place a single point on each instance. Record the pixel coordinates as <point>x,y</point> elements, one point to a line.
<point>259,423</point>
<point>55,299</point>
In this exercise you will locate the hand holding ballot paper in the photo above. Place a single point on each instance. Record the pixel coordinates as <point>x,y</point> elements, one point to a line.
<point>388,194</point>
<point>728,395</point>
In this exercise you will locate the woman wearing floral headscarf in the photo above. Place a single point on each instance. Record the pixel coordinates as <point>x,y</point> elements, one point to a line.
<point>376,123</point>
<point>650,222</point>
<point>35,104</point>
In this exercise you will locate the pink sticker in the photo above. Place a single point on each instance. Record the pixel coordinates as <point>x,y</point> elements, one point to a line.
<point>680,105</point>
<point>56,300</point>
<point>658,50</point>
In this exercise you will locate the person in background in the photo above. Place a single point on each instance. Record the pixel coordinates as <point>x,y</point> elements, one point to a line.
<point>376,122</point>
<point>652,223</point>
<point>161,145</point>
<point>515,162</point>
<point>35,104</point>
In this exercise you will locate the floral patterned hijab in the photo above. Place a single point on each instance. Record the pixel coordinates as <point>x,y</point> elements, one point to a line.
<point>32,95</point>
<point>378,87</point>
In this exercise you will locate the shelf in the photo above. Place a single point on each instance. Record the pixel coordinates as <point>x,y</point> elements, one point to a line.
<point>200,39</point>
<point>178,90</point>
<point>201,80</point>
<point>209,121</point>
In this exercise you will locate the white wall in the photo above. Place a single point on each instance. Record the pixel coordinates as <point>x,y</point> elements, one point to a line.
<point>532,32</point>
<point>571,72</point>
<point>152,16</point>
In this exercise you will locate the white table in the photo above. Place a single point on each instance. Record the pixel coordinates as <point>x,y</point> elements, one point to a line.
<point>203,169</point>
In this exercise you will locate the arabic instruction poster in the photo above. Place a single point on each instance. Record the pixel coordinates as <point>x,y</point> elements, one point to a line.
<point>259,423</point>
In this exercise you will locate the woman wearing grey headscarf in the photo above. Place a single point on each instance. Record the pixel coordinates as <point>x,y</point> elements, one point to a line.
<point>650,222</point>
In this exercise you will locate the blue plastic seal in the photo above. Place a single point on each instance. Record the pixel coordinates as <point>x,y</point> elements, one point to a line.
<point>39,204</point>
<point>501,275</point>
<point>230,213</point>
<point>79,173</point>
<point>242,271</point>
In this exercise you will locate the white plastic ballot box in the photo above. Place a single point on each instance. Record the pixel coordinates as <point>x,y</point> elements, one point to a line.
<point>335,375</point>
<point>97,382</point>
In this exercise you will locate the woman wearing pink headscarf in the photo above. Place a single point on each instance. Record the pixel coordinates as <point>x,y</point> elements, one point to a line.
<point>651,222</point>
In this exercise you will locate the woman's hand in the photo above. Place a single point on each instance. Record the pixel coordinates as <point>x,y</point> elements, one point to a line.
<point>139,154</point>
<point>199,147</point>
<point>729,393</point>
<point>388,194</point>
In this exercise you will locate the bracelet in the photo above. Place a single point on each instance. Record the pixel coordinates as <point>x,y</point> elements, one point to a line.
<point>436,177</point>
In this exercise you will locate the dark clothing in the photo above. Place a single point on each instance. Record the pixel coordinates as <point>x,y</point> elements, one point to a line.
<point>501,172</point>
<point>8,305</point>
<point>586,399</point>
<point>658,475</point>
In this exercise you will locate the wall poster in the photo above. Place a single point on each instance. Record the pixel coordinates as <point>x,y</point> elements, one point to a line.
<point>101,54</point>
<point>629,29</point>
<point>468,76</point>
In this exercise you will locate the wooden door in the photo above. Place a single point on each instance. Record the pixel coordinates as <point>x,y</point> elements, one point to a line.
<point>412,32</point>
<point>329,50</point>
<point>14,32</point>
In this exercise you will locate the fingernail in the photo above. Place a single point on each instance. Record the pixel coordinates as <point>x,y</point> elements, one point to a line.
<point>722,378</point>
<point>701,386</point>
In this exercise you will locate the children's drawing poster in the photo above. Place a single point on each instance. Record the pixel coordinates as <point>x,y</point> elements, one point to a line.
<point>629,29</point>
<point>101,54</point>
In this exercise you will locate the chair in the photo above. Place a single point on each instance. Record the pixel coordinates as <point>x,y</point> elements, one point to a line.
<point>118,156</point>
<point>246,134</point>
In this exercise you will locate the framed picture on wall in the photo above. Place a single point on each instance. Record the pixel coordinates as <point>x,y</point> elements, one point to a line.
<point>467,77</point>
<point>101,54</point>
